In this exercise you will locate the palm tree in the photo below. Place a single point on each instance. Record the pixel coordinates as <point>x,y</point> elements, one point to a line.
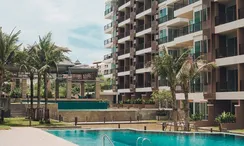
<point>191,70</point>
<point>49,56</point>
<point>27,62</point>
<point>168,66</point>
<point>8,47</point>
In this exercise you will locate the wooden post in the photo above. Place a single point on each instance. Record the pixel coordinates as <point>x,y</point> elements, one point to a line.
<point>145,128</point>
<point>76,121</point>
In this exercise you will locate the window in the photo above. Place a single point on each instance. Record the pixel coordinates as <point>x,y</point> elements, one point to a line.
<point>197,48</point>
<point>162,33</point>
<point>163,12</point>
<point>197,20</point>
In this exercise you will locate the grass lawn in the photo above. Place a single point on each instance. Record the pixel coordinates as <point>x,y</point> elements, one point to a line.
<point>3,127</point>
<point>19,122</point>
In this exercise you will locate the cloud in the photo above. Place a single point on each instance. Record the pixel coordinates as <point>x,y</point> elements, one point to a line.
<point>76,24</point>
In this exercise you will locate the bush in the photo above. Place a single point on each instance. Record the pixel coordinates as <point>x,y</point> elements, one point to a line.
<point>138,101</point>
<point>150,101</point>
<point>16,93</point>
<point>226,117</point>
<point>128,101</point>
<point>161,113</point>
<point>197,117</point>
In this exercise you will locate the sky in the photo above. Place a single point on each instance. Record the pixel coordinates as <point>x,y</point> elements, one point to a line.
<point>76,24</point>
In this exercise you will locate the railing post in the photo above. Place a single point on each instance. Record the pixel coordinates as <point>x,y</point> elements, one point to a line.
<point>119,126</point>
<point>130,119</point>
<point>104,119</point>
<point>145,128</point>
<point>76,121</point>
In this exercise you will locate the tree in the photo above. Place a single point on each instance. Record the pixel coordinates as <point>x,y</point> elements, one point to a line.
<point>49,56</point>
<point>8,46</point>
<point>168,66</point>
<point>105,83</point>
<point>163,97</point>
<point>191,70</point>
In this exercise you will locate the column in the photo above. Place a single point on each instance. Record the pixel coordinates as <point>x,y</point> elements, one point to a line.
<point>98,88</point>
<point>24,87</point>
<point>211,113</point>
<point>13,84</point>
<point>69,87</point>
<point>57,89</point>
<point>82,89</point>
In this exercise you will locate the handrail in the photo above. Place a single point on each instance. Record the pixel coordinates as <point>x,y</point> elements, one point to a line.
<point>137,141</point>
<point>146,140</point>
<point>105,136</point>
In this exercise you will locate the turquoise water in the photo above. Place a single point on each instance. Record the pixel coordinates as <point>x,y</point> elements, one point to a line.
<point>78,105</point>
<point>128,138</point>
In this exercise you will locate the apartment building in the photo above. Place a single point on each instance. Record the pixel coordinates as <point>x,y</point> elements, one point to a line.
<point>213,28</point>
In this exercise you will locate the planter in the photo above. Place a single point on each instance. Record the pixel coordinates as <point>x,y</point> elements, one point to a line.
<point>150,106</point>
<point>223,127</point>
<point>120,105</point>
<point>140,106</point>
<point>127,105</point>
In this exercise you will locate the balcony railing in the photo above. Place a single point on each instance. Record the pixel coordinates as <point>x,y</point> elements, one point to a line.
<point>140,47</point>
<point>148,44</point>
<point>226,52</point>
<point>161,1</point>
<point>123,18</point>
<point>108,41</point>
<point>121,52</point>
<point>165,18</point>
<point>108,56</point>
<point>108,26</point>
<point>121,86</point>
<point>122,2</point>
<point>163,82</point>
<point>140,9</point>
<point>127,85</point>
<point>163,40</point>
<point>241,13</point>
<point>139,65</point>
<point>127,68</point>
<point>197,87</point>
<point>123,35</point>
<point>226,87</point>
<point>225,18</point>
<point>148,83</point>
<point>143,27</point>
<point>127,50</point>
<point>242,85</point>
<point>139,85</point>
<point>108,11</point>
<point>121,68</point>
<point>183,3</point>
<point>189,29</point>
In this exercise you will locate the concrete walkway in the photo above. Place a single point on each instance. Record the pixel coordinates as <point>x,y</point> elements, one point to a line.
<point>30,137</point>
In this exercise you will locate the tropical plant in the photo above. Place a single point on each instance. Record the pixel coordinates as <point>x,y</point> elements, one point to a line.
<point>15,93</point>
<point>226,117</point>
<point>128,101</point>
<point>49,55</point>
<point>168,67</point>
<point>138,101</point>
<point>8,46</point>
<point>105,83</point>
<point>163,97</point>
<point>150,101</point>
<point>190,71</point>
<point>197,117</point>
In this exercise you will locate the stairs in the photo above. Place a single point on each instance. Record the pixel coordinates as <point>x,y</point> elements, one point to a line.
<point>18,110</point>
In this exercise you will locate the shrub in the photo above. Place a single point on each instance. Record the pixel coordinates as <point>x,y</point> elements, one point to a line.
<point>128,101</point>
<point>197,117</point>
<point>161,113</point>
<point>138,101</point>
<point>150,101</point>
<point>16,93</point>
<point>226,117</point>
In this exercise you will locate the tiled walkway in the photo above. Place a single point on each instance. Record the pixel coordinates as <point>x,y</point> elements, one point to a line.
<point>30,137</point>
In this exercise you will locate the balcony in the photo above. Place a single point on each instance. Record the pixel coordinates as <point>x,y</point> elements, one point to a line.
<point>148,83</point>
<point>108,13</point>
<point>165,19</point>
<point>123,18</point>
<point>123,35</point>
<point>108,28</point>
<point>163,82</point>
<point>226,87</point>
<point>241,49</point>
<point>241,13</point>
<point>225,18</point>
<point>197,87</point>
<point>183,3</point>
<point>139,65</point>
<point>127,68</point>
<point>140,46</point>
<point>242,85</point>
<point>189,29</point>
<point>226,52</point>
<point>161,1</point>
<point>121,69</point>
<point>143,27</point>
<point>139,85</point>
<point>108,43</point>
<point>122,2</point>
<point>108,56</point>
<point>142,9</point>
<point>162,40</point>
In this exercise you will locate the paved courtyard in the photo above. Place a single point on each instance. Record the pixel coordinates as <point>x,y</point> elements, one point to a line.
<point>30,137</point>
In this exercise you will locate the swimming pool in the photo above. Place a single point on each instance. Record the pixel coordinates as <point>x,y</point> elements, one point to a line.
<point>129,138</point>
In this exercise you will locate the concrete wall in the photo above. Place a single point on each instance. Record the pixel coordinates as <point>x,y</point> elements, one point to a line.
<point>110,115</point>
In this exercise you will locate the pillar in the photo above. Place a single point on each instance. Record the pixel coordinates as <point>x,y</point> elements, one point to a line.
<point>211,113</point>
<point>24,87</point>
<point>239,114</point>
<point>82,89</point>
<point>69,87</point>
<point>57,89</point>
<point>98,88</point>
<point>13,84</point>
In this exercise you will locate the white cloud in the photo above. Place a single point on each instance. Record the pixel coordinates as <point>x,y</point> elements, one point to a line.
<point>37,17</point>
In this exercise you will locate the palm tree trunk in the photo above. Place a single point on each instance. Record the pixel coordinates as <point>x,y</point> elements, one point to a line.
<point>31,93</point>
<point>56,88</point>
<point>186,109</point>
<point>38,95</point>
<point>45,94</point>
<point>1,82</point>
<point>174,109</point>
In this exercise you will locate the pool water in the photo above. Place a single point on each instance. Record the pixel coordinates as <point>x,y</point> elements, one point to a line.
<point>129,138</point>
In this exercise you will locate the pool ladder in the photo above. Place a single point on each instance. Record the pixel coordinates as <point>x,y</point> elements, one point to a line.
<point>143,140</point>
<point>106,137</point>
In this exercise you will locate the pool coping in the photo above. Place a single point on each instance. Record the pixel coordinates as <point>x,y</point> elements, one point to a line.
<point>151,131</point>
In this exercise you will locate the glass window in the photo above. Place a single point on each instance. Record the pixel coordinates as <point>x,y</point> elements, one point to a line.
<point>197,48</point>
<point>197,20</point>
<point>163,12</point>
<point>162,33</point>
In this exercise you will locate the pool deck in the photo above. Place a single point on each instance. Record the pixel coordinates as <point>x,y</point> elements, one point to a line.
<point>27,136</point>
